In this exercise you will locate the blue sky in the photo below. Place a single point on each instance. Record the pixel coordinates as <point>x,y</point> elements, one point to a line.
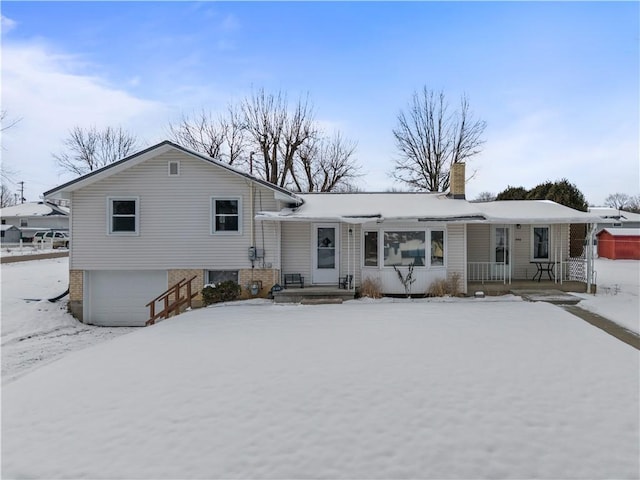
<point>557,83</point>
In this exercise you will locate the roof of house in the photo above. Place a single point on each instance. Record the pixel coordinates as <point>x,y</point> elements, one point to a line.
<point>614,213</point>
<point>34,209</point>
<point>366,207</point>
<point>4,228</point>
<point>621,232</point>
<point>63,191</point>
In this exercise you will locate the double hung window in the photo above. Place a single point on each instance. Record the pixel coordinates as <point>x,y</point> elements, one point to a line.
<point>123,215</point>
<point>540,243</point>
<point>226,215</point>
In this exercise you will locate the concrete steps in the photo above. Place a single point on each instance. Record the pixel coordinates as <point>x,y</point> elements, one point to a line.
<point>313,295</point>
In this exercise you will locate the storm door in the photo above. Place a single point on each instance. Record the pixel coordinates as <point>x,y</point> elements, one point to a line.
<point>325,253</point>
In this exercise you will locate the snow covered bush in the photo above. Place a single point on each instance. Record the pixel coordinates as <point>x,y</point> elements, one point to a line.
<point>220,292</point>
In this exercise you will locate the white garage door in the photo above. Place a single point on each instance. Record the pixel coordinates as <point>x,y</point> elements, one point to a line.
<point>118,298</point>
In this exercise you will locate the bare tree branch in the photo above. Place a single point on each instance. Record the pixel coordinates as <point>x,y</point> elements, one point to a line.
<point>430,139</point>
<point>90,149</point>
<point>283,142</point>
<point>327,164</point>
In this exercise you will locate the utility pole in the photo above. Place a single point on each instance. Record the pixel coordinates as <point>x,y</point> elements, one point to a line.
<point>22,199</point>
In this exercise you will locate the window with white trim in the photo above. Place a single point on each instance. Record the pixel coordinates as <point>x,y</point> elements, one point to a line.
<point>371,249</point>
<point>123,215</point>
<point>226,217</point>
<point>404,248</point>
<point>437,248</point>
<point>540,243</point>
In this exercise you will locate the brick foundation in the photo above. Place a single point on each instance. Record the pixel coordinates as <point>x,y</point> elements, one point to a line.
<point>266,276</point>
<point>76,289</point>
<point>197,285</point>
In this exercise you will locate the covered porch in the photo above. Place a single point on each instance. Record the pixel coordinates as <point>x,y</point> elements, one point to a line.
<point>506,257</point>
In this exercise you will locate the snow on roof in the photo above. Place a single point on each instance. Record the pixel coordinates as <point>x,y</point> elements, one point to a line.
<point>4,228</point>
<point>367,207</point>
<point>622,232</point>
<point>620,215</point>
<point>34,209</point>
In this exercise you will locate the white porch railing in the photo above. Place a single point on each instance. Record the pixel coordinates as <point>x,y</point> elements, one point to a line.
<point>488,272</point>
<point>571,269</point>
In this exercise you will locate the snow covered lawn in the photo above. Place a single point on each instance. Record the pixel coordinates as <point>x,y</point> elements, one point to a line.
<point>618,294</point>
<point>368,389</point>
<point>34,330</point>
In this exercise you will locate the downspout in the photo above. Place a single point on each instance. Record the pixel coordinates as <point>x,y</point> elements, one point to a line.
<point>253,241</point>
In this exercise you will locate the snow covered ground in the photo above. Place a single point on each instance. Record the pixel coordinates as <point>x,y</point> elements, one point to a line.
<point>618,294</point>
<point>13,250</point>
<point>465,388</point>
<point>35,331</point>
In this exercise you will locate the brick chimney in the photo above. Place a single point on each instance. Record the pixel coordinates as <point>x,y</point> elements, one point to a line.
<point>457,181</point>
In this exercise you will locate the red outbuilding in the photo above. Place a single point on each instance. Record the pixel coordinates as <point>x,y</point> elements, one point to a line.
<point>619,243</point>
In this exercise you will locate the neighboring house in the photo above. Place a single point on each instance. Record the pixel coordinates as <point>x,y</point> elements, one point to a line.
<point>615,218</point>
<point>10,234</point>
<point>31,217</point>
<point>619,243</point>
<point>142,224</point>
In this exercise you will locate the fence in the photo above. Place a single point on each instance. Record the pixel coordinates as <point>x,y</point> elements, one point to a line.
<point>22,247</point>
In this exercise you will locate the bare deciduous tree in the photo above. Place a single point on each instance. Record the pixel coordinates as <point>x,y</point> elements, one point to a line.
<point>430,139</point>
<point>7,198</point>
<point>90,149</point>
<point>617,200</point>
<point>5,122</point>
<point>327,164</point>
<point>622,201</point>
<point>221,138</point>
<point>278,132</point>
<point>281,142</point>
<point>7,174</point>
<point>485,197</point>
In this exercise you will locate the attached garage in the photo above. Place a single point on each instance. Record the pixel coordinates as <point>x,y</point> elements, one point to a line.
<point>117,298</point>
<point>619,243</point>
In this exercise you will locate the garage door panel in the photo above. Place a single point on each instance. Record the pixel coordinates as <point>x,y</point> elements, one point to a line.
<point>118,298</point>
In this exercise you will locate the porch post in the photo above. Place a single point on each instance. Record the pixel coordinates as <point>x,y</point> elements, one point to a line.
<point>590,257</point>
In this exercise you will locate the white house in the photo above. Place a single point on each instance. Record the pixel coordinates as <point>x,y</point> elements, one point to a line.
<point>142,224</point>
<point>31,217</point>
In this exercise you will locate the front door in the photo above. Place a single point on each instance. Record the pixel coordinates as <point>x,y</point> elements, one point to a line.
<point>324,249</point>
<point>501,252</point>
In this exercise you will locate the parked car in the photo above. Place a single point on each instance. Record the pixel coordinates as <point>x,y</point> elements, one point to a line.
<point>52,238</point>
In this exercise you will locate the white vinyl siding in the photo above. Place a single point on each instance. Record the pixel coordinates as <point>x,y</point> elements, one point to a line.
<point>456,253</point>
<point>479,242</point>
<point>174,221</point>
<point>296,249</point>
<point>350,251</point>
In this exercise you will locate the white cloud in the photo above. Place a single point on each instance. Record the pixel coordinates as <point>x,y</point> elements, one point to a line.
<point>551,145</point>
<point>44,89</point>
<point>6,24</point>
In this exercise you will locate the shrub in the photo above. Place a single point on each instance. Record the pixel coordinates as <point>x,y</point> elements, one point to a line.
<point>445,287</point>
<point>220,292</point>
<point>371,287</point>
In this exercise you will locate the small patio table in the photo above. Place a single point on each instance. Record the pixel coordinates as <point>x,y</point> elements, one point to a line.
<point>544,266</point>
